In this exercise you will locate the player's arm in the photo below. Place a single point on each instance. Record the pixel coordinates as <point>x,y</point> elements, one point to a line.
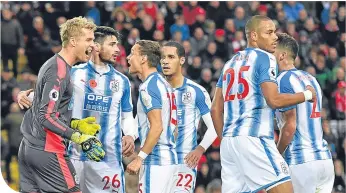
<point>217,108</point>
<point>266,71</point>
<point>203,104</point>
<point>288,130</point>
<point>128,123</point>
<point>52,90</point>
<point>155,121</point>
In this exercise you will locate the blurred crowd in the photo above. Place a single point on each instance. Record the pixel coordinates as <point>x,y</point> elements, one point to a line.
<point>211,33</point>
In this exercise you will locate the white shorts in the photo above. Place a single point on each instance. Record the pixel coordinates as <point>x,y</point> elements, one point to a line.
<point>157,179</point>
<point>315,176</point>
<point>100,177</point>
<point>185,179</point>
<point>251,164</point>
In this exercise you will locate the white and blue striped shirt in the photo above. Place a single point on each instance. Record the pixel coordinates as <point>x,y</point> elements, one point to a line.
<point>104,96</point>
<point>193,101</point>
<point>246,112</point>
<point>308,143</point>
<point>156,93</point>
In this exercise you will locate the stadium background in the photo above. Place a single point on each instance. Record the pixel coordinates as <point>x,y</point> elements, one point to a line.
<point>211,33</point>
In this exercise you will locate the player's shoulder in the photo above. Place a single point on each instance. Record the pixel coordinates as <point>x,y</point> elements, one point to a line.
<point>121,76</point>
<point>195,86</point>
<point>262,56</point>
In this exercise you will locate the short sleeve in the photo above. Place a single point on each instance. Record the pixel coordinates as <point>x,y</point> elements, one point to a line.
<point>126,100</point>
<point>286,87</point>
<point>150,98</point>
<point>266,68</point>
<point>219,82</point>
<point>203,102</point>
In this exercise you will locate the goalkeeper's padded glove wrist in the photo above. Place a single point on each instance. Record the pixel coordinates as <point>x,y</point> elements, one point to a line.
<point>74,123</point>
<point>86,126</point>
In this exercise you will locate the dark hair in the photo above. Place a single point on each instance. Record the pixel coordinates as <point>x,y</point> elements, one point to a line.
<point>288,42</point>
<point>102,32</point>
<point>180,48</point>
<point>152,50</point>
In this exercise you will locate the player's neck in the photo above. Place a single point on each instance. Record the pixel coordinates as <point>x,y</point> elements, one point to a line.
<point>176,80</point>
<point>147,72</point>
<point>289,66</point>
<point>65,53</point>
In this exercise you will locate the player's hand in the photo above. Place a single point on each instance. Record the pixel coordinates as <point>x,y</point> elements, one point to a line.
<point>194,156</point>
<point>128,145</point>
<point>134,166</point>
<point>310,88</point>
<point>23,99</point>
<point>86,126</point>
<point>91,146</point>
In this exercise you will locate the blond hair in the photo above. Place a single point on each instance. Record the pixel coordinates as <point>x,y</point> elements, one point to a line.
<point>73,28</point>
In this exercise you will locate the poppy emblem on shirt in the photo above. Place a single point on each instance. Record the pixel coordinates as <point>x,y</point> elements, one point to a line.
<point>93,83</point>
<point>54,95</point>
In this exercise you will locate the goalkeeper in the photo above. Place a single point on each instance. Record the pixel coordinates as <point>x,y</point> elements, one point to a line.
<point>43,163</point>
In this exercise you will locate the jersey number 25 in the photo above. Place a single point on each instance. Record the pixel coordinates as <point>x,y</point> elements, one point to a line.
<point>229,96</point>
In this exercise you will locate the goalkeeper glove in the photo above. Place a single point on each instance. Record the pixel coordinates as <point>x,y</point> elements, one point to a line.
<point>86,126</point>
<point>91,146</point>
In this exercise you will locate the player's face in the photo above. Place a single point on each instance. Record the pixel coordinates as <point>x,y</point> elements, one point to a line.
<point>266,36</point>
<point>170,61</point>
<point>134,60</point>
<point>84,45</point>
<point>109,50</point>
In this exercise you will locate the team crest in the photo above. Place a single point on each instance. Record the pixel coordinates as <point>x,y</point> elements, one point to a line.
<point>186,97</point>
<point>114,85</point>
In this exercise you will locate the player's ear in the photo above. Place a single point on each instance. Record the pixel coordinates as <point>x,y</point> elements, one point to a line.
<point>182,61</point>
<point>144,59</point>
<point>253,35</point>
<point>73,41</point>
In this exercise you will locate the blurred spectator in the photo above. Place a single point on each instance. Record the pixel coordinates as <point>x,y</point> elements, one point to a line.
<point>203,176</point>
<point>8,83</point>
<point>214,163</point>
<point>181,27</point>
<point>229,9</point>
<point>292,10</point>
<point>147,29</point>
<point>215,13</point>
<point>221,44</point>
<point>329,12</point>
<point>190,11</point>
<point>341,45</point>
<point>281,19</point>
<point>131,39</point>
<point>158,36</point>
<point>40,47</point>
<point>150,9</point>
<point>160,22</point>
<point>329,137</point>
<point>217,68</point>
<point>230,29</point>
<point>314,35</point>
<point>200,19</point>
<point>198,42</point>
<point>303,16</point>
<point>209,54</point>
<point>338,107</point>
<point>12,40</point>
<point>25,82</point>
<point>200,189</point>
<point>12,123</point>
<point>278,7</point>
<point>333,58</point>
<point>214,186</point>
<point>322,73</point>
<point>341,19</point>
<point>304,46</point>
<point>239,42</point>
<point>262,10</point>
<point>171,11</point>
<point>206,78</point>
<point>253,8</point>
<point>177,37</point>
<point>188,55</point>
<point>25,16</point>
<point>240,19</point>
<point>50,16</point>
<point>291,30</point>
<point>93,12</point>
<point>332,32</point>
<point>339,175</point>
<point>194,70</point>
